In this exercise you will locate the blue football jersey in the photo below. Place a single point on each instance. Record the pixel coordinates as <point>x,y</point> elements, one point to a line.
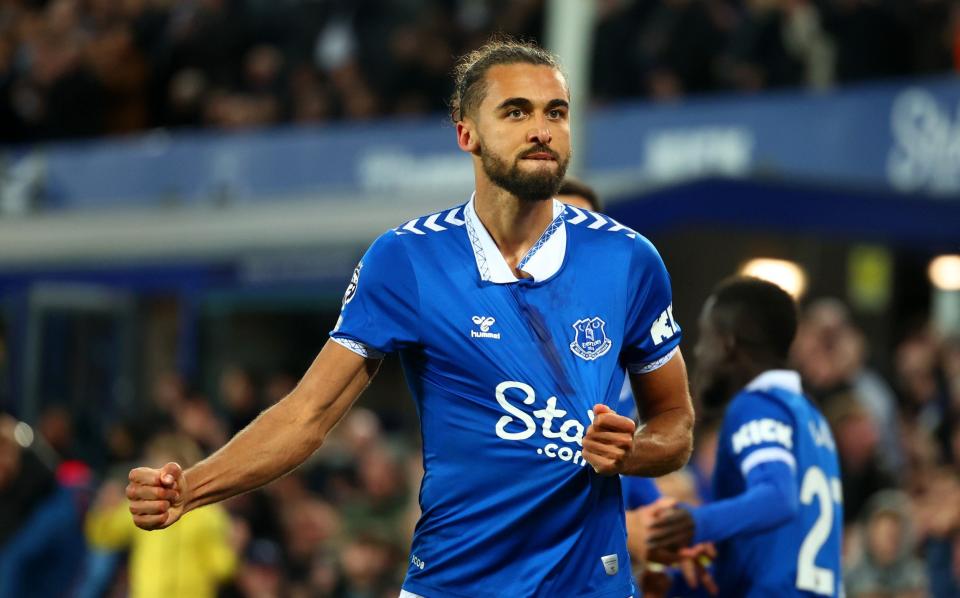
<point>504,373</point>
<point>771,421</point>
<point>638,492</point>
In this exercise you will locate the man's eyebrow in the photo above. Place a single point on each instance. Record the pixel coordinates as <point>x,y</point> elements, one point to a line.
<point>526,104</point>
<point>515,102</point>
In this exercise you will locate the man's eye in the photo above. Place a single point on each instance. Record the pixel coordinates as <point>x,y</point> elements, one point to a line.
<point>556,113</point>
<point>516,113</point>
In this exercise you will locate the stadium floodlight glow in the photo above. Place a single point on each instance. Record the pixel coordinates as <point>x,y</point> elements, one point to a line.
<point>944,272</point>
<point>787,275</point>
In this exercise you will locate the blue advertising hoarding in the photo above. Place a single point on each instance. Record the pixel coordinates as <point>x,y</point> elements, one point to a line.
<point>900,136</point>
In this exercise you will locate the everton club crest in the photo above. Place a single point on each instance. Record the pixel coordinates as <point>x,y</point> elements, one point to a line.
<point>352,287</point>
<point>591,340</point>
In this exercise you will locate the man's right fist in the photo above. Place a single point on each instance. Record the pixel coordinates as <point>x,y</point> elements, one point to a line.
<point>157,496</point>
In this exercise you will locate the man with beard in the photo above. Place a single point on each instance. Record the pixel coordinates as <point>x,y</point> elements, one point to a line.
<point>777,514</point>
<point>515,319</point>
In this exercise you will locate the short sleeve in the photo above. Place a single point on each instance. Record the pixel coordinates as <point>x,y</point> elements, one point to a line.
<point>651,334</point>
<point>638,492</point>
<point>759,429</point>
<point>380,306</point>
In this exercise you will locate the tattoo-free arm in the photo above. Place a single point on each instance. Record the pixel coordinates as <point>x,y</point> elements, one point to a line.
<point>283,436</point>
<point>665,441</point>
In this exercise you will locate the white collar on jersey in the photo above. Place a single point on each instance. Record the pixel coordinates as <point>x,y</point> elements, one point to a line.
<point>541,262</point>
<point>786,379</point>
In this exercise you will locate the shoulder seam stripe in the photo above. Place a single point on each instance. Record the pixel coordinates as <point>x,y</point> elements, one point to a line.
<point>431,222</point>
<point>412,227</point>
<point>451,217</point>
<point>599,222</point>
<point>580,216</point>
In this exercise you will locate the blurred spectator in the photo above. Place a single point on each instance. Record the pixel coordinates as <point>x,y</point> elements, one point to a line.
<point>872,38</point>
<point>672,66</point>
<point>369,567</point>
<point>831,354</point>
<point>937,517</point>
<point>951,372</point>
<point>122,71</point>
<point>201,553</point>
<point>888,567</point>
<point>41,540</point>
<point>806,40</point>
<point>325,576</point>
<point>308,523</point>
<point>185,98</point>
<point>55,426</point>
<point>924,390</point>
<point>858,442</point>
<point>262,573</point>
<point>238,397</point>
<point>196,418</point>
<point>381,505</point>
<point>278,386</point>
<point>769,46</point>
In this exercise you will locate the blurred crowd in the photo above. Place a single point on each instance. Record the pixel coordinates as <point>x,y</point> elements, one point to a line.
<point>899,448</point>
<point>340,525</point>
<point>82,68</point>
<point>77,68</point>
<point>665,49</point>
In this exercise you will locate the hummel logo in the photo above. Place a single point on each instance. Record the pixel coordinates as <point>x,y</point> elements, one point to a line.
<point>484,322</point>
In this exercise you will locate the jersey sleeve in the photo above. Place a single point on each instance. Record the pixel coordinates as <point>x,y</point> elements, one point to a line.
<point>759,434</point>
<point>651,334</point>
<point>759,429</point>
<point>638,492</point>
<point>770,499</point>
<point>381,304</point>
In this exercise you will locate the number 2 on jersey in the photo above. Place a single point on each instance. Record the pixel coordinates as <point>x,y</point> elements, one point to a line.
<point>810,577</point>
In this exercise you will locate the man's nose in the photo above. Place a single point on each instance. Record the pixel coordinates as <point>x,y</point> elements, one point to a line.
<point>540,134</point>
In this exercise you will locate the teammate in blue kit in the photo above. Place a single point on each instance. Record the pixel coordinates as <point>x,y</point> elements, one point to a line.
<point>777,513</point>
<point>515,318</point>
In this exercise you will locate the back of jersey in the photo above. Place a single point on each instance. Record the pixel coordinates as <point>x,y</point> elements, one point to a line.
<point>821,502</point>
<point>771,422</point>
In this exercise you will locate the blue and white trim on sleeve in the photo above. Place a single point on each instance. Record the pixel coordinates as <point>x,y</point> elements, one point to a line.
<point>768,455</point>
<point>358,348</point>
<point>646,368</point>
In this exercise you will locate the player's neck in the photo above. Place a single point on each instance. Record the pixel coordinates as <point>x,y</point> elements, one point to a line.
<point>514,225</point>
<point>750,371</point>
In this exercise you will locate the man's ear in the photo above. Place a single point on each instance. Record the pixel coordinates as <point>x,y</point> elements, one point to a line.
<point>467,138</point>
<point>730,345</point>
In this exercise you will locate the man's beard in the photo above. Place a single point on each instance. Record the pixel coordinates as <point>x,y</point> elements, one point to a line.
<point>526,186</point>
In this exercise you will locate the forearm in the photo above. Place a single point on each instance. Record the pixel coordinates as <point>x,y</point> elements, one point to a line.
<point>662,445</point>
<point>769,500</point>
<point>276,442</point>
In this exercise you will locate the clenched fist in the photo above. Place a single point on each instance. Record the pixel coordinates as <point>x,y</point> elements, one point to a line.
<point>608,441</point>
<point>157,496</point>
